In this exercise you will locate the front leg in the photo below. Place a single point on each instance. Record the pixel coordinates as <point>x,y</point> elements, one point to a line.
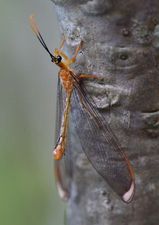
<point>68,61</point>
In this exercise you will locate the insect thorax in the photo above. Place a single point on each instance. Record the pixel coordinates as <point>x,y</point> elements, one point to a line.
<point>66,80</point>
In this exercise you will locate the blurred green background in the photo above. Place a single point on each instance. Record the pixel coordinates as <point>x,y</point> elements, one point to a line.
<point>28,193</point>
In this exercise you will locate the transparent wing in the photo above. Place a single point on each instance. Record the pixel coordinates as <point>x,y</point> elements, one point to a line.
<point>101,145</point>
<point>59,109</point>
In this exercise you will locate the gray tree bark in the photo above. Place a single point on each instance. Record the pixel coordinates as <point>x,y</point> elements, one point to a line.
<point>121,42</point>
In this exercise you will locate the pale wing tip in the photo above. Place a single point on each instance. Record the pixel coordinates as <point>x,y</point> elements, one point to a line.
<point>128,196</point>
<point>64,195</point>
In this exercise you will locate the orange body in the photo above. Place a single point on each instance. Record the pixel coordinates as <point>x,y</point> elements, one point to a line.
<point>67,83</point>
<point>66,80</point>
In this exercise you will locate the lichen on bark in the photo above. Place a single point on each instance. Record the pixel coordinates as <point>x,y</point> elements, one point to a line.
<point>121,41</point>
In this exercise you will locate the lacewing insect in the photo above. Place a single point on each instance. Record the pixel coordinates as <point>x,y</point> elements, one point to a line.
<point>106,155</point>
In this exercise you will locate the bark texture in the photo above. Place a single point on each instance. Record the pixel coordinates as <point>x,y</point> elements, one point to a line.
<point>121,42</point>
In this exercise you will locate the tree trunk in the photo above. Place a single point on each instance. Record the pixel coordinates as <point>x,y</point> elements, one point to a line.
<point>121,41</point>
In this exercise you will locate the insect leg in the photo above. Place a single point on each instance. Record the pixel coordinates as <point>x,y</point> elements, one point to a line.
<point>61,53</point>
<point>88,76</point>
<point>60,147</point>
<point>62,42</point>
<point>68,61</point>
<point>73,59</point>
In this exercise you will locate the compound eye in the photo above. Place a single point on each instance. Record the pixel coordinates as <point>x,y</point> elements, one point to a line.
<point>59,59</point>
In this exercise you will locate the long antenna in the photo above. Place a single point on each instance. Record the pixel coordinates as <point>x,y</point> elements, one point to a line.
<point>36,31</point>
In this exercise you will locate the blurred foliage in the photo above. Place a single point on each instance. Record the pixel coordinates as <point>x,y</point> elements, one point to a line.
<point>28,194</point>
